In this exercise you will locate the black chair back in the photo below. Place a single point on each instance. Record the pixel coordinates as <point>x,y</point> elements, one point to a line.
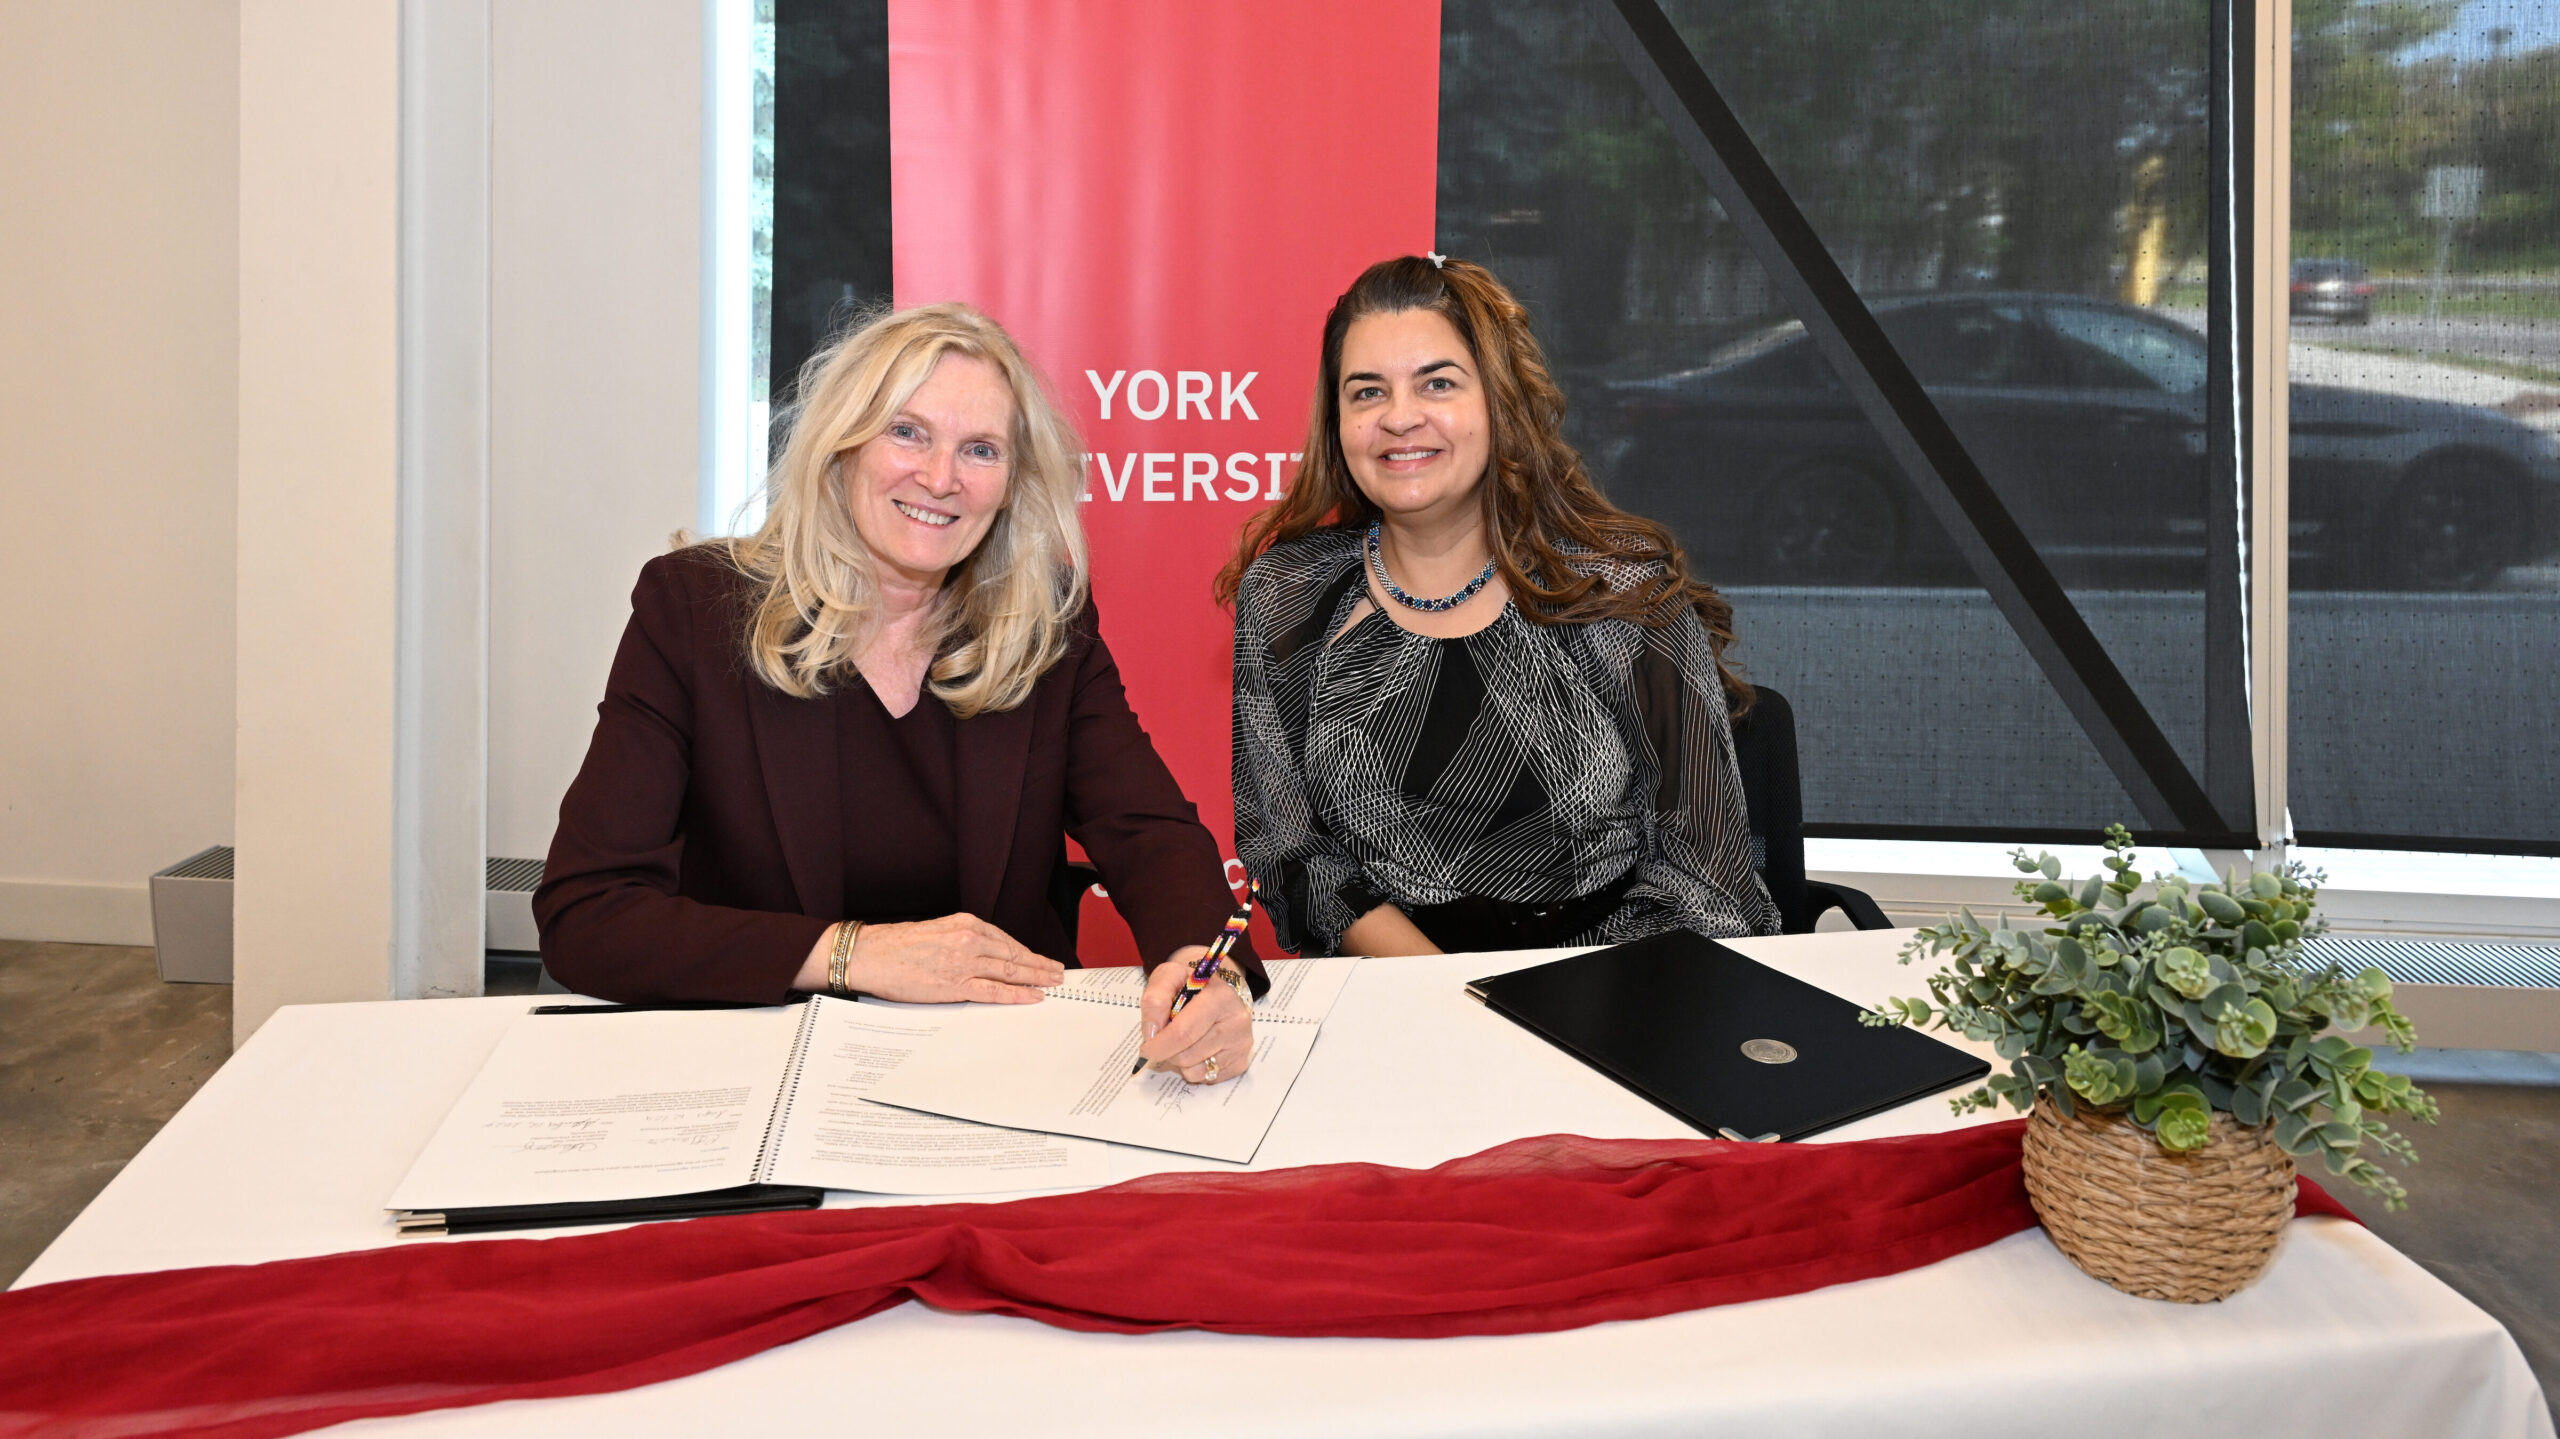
<point>1764,747</point>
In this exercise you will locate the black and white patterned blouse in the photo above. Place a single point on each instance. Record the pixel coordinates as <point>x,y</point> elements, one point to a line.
<point>1526,763</point>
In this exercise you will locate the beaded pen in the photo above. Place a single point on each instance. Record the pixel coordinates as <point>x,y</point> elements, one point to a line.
<point>1207,968</point>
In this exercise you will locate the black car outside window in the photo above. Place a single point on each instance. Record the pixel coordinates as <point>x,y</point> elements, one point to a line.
<point>2113,351</point>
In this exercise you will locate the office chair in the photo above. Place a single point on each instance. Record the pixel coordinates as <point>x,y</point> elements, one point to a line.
<point>1764,746</point>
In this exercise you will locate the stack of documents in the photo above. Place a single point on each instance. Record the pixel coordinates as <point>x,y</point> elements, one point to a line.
<point>584,1113</point>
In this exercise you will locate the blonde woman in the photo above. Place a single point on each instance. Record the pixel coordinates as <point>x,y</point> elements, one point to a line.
<point>842,754</point>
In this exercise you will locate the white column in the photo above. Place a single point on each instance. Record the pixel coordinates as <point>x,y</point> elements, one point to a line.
<point>358,618</point>
<point>440,738</point>
<point>2269,249</point>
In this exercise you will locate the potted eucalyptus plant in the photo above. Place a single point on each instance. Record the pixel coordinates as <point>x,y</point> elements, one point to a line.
<point>2177,1053</point>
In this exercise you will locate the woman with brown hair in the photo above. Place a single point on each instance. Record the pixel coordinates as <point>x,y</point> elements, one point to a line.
<point>1476,705</point>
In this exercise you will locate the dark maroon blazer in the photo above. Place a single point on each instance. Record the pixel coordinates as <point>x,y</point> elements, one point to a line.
<point>701,848</point>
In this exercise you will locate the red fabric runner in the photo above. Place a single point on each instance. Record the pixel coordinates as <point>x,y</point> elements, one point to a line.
<point>1540,1234</point>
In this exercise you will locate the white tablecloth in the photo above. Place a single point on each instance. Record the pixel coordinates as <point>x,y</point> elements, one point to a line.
<point>292,1146</point>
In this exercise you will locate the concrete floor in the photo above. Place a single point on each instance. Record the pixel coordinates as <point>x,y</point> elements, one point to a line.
<point>96,1054</point>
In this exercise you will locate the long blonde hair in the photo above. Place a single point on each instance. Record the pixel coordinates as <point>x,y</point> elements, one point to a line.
<point>1005,611</point>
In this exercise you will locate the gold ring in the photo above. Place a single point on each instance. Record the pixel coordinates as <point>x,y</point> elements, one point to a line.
<point>1212,1068</point>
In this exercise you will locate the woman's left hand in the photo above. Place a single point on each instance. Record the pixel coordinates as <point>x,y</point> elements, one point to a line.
<point>1211,1040</point>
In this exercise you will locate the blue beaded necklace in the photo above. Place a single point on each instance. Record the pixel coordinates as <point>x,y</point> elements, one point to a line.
<point>1378,567</point>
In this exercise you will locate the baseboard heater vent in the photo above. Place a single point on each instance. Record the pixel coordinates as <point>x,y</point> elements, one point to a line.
<point>191,918</point>
<point>2442,961</point>
<point>2460,993</point>
<point>191,913</point>
<point>510,905</point>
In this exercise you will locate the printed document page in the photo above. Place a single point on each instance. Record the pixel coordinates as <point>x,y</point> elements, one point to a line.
<point>835,1137</point>
<point>1062,1065</point>
<point>576,1108</point>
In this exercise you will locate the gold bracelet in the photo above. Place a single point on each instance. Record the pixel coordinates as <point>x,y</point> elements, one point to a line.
<point>1235,978</point>
<point>846,933</point>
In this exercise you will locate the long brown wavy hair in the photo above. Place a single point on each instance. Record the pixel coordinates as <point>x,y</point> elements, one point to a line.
<point>1550,528</point>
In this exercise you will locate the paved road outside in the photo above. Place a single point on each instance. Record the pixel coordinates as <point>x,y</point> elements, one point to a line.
<point>2405,355</point>
<point>2520,340</point>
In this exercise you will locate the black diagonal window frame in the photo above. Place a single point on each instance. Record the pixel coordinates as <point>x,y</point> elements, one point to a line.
<point>831,123</point>
<point>2175,807</point>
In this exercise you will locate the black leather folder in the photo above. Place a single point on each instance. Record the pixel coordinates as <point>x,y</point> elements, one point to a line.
<point>1725,1043</point>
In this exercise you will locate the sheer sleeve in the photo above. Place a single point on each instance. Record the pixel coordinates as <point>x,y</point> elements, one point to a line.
<point>1694,869</point>
<point>1312,887</point>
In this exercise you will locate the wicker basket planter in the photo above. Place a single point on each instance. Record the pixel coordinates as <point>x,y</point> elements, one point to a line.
<point>2191,1227</point>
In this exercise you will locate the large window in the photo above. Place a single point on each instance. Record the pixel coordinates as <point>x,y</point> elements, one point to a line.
<point>2018,193</point>
<point>737,313</point>
<point>2022,230</point>
<point>2425,364</point>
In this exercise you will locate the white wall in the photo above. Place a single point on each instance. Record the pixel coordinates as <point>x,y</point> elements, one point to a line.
<point>120,386</point>
<point>118,180</point>
<point>596,337</point>
<point>313,904</point>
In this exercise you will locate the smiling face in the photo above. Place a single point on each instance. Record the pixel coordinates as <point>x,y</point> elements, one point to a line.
<point>1415,431</point>
<point>926,489</point>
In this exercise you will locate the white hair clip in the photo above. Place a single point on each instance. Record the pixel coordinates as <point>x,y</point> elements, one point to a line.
<point>1438,260</point>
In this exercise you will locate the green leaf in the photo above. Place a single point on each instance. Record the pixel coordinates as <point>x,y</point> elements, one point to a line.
<point>2183,1129</point>
<point>2249,1105</point>
<point>2265,886</point>
<point>2051,865</point>
<point>2097,1078</point>
<point>2256,934</point>
<point>2344,1007</point>
<point>2218,1092</point>
<point>2187,972</point>
<point>2293,1134</point>
<point>2244,1031</point>
<point>2221,906</point>
<point>2150,1106</point>
<point>2115,1015</point>
<point>2148,1071</point>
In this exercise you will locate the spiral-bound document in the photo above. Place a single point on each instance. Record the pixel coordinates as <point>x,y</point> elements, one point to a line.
<point>591,1118</point>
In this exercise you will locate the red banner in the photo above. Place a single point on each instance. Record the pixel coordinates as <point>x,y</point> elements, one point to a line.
<point>1160,198</point>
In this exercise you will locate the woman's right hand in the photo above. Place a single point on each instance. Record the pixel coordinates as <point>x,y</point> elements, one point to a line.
<point>936,961</point>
